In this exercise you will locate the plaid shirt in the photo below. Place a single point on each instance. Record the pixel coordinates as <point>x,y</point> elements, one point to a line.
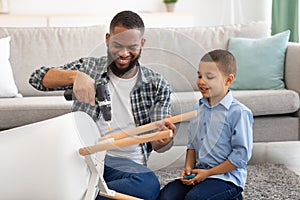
<point>150,97</point>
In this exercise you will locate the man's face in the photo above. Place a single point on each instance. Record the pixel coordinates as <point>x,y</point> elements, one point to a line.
<point>124,47</point>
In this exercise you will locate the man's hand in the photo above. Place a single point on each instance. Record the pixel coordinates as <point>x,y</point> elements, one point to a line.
<point>84,88</point>
<point>162,126</point>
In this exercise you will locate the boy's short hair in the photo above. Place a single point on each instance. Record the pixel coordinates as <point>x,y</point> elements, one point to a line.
<point>129,20</point>
<point>224,59</point>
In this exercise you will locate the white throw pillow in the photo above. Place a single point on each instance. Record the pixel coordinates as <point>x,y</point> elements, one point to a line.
<point>8,86</point>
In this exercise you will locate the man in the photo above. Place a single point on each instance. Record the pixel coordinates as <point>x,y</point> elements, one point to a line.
<point>139,96</point>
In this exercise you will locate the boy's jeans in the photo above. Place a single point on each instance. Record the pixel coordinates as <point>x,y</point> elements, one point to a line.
<point>128,177</point>
<point>210,188</point>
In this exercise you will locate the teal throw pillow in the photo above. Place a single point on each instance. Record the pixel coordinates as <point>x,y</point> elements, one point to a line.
<point>260,62</point>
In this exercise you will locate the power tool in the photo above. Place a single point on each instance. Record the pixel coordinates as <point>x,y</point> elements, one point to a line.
<point>102,99</point>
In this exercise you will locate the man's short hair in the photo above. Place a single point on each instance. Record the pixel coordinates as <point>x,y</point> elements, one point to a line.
<point>129,20</point>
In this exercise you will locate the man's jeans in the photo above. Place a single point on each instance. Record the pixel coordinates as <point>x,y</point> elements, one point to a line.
<point>209,189</point>
<point>128,177</point>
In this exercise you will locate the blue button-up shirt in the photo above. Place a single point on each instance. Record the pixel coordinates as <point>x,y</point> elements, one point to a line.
<point>221,132</point>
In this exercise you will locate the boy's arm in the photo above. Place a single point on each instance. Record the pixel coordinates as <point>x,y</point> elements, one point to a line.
<point>190,160</point>
<point>222,168</point>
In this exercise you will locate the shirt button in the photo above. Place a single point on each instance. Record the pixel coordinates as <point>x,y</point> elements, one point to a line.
<point>201,139</point>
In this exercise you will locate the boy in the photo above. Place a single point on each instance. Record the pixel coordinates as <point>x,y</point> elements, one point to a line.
<point>219,139</point>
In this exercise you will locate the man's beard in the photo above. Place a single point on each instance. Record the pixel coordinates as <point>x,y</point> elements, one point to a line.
<point>120,72</point>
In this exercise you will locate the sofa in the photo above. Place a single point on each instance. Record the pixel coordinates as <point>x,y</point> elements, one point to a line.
<point>173,52</point>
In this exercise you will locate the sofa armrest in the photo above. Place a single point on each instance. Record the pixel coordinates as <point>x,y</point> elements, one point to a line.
<point>292,67</point>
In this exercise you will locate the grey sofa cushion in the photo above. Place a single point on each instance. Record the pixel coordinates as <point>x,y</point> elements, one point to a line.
<point>16,112</point>
<point>269,102</point>
<point>261,102</point>
<point>182,102</point>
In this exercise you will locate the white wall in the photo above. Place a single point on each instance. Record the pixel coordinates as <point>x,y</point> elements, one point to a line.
<point>216,12</point>
<point>205,12</point>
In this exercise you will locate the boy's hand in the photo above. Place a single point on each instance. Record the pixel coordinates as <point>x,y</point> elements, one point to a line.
<point>184,172</point>
<point>201,174</point>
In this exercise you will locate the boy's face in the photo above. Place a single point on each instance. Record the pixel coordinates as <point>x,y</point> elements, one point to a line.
<point>212,83</point>
<point>124,46</point>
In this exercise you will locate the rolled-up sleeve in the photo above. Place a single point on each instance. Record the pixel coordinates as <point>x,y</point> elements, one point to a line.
<point>37,76</point>
<point>242,139</point>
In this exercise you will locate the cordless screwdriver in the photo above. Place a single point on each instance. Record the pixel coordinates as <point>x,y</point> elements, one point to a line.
<point>102,99</point>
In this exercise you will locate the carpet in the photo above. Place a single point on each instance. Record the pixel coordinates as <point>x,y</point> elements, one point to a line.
<point>264,181</point>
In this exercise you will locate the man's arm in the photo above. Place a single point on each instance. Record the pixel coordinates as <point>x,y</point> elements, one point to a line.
<point>162,110</point>
<point>83,85</point>
<point>63,78</point>
<point>58,78</point>
<point>55,78</point>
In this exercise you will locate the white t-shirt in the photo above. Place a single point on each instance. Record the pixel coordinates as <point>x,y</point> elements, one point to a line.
<point>122,118</point>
